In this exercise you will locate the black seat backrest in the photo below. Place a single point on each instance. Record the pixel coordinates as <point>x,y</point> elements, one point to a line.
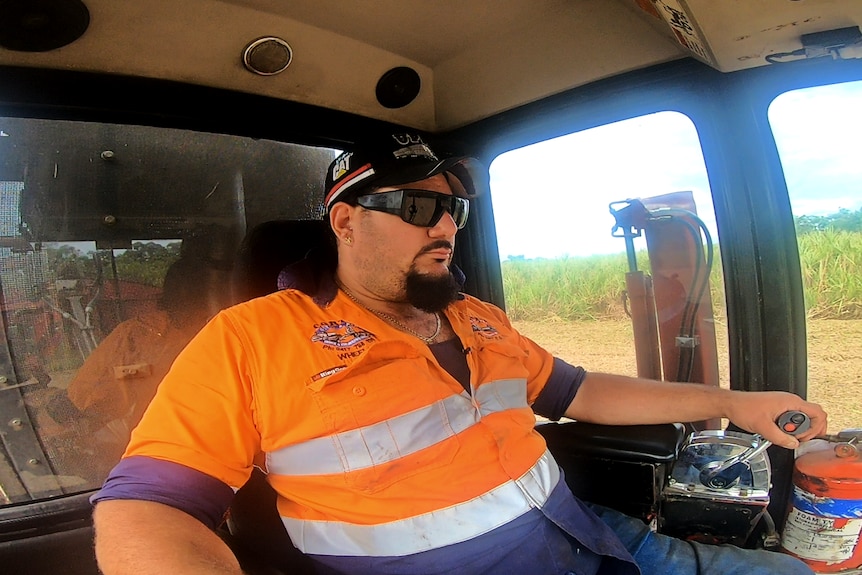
<point>267,249</point>
<point>256,534</point>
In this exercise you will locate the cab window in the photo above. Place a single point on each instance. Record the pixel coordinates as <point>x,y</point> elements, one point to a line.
<point>117,243</point>
<point>579,217</point>
<point>816,132</point>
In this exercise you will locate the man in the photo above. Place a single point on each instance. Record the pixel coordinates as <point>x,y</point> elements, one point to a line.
<point>395,414</point>
<point>119,378</point>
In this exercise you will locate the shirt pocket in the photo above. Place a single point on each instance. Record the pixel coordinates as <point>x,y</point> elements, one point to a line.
<point>391,416</point>
<point>501,387</point>
<point>499,359</point>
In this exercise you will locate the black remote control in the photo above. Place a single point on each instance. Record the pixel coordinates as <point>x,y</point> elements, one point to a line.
<point>793,422</point>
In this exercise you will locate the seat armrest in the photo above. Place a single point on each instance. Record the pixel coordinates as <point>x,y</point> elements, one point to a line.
<point>637,443</point>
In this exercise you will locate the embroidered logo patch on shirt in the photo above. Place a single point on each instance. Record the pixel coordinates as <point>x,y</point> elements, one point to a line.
<point>483,328</point>
<point>340,335</point>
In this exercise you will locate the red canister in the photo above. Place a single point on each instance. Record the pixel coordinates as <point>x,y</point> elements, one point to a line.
<point>824,524</point>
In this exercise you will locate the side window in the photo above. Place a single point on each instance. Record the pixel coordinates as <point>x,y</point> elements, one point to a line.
<point>117,244</point>
<point>607,236</point>
<point>816,131</point>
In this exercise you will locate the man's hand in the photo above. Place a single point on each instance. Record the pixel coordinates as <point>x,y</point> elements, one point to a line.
<point>758,412</point>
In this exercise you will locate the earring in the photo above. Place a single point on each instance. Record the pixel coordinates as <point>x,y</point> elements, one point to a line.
<point>348,240</point>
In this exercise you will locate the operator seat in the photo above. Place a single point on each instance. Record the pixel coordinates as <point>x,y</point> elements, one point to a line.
<point>270,247</point>
<point>255,532</point>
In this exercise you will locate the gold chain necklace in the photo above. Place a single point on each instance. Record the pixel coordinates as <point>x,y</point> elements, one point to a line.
<point>394,320</point>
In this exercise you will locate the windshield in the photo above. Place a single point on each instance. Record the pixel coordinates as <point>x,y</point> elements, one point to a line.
<point>117,243</point>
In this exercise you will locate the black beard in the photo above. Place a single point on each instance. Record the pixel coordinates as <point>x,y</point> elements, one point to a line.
<point>431,293</point>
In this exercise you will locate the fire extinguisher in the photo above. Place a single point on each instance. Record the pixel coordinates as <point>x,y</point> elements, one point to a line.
<point>824,523</point>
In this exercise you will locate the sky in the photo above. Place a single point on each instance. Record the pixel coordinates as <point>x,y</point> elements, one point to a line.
<point>817,132</point>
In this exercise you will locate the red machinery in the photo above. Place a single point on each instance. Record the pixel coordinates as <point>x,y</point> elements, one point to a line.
<point>671,308</point>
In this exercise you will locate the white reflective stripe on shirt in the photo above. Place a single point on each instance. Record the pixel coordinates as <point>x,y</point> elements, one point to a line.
<point>501,395</point>
<point>447,526</point>
<point>397,437</point>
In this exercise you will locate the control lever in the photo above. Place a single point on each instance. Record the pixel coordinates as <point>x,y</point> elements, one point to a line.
<point>723,474</point>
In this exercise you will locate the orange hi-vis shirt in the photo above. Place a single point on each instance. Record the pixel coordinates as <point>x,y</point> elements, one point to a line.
<point>372,447</point>
<point>119,379</point>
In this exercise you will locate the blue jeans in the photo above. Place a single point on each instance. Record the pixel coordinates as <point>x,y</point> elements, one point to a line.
<point>658,554</point>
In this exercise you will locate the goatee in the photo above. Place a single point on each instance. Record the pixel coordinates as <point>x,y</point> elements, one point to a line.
<point>431,293</point>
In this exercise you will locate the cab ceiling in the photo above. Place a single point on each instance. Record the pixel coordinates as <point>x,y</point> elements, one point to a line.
<point>475,58</point>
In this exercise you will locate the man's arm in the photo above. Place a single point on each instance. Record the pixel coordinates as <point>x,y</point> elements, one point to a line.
<point>142,538</point>
<point>620,400</point>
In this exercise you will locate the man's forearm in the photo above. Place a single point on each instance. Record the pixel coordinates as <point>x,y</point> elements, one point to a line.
<point>143,538</point>
<point>619,400</point>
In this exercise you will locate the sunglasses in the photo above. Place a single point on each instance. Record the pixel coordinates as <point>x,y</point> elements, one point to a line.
<point>418,207</point>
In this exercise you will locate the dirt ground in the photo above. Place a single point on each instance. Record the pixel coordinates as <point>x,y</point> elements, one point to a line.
<point>834,358</point>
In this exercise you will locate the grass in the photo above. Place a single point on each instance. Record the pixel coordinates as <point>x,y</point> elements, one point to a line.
<point>588,288</point>
<point>832,274</point>
<point>569,288</point>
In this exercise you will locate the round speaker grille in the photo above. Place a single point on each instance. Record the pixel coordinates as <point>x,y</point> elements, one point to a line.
<point>398,87</point>
<point>267,56</point>
<point>41,25</point>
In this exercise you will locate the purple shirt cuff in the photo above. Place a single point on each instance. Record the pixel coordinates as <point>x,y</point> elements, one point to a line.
<point>148,479</point>
<point>560,390</point>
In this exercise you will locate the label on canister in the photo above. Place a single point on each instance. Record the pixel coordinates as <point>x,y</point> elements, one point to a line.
<point>826,539</point>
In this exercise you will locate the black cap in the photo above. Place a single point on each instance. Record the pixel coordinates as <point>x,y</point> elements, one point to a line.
<point>399,158</point>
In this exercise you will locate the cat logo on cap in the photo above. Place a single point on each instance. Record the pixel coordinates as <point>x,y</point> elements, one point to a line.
<point>342,166</point>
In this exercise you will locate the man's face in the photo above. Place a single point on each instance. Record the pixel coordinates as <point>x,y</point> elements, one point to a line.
<point>386,250</point>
